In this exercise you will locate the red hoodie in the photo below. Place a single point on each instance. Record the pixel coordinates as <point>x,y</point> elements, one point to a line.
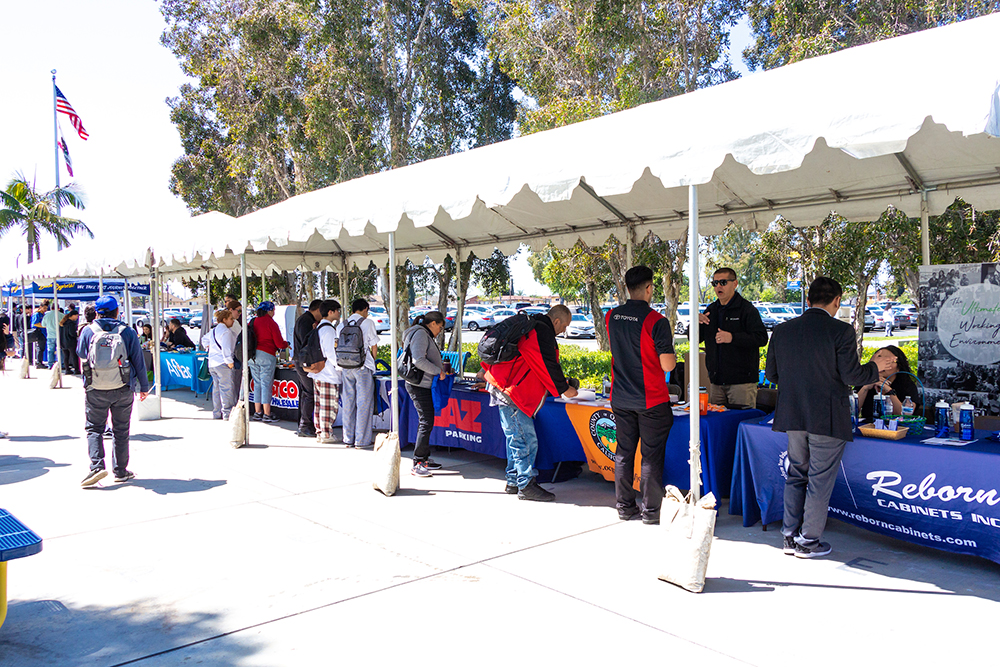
<point>533,374</point>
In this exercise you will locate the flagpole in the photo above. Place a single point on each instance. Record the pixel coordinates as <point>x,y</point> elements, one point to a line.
<point>55,133</point>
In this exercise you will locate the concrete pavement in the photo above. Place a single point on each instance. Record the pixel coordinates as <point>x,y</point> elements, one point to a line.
<point>281,553</point>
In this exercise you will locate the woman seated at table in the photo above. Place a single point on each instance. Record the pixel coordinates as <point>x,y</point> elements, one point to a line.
<point>221,344</point>
<point>265,360</point>
<point>424,353</point>
<point>67,338</point>
<point>892,382</point>
<point>146,337</point>
<point>177,336</point>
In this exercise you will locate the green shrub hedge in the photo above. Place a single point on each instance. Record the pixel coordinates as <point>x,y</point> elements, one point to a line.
<point>591,366</point>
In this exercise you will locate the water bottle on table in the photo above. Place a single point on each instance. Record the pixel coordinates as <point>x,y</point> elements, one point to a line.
<point>942,412</point>
<point>966,418</point>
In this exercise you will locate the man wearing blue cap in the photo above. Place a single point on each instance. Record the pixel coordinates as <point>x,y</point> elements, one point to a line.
<point>112,369</point>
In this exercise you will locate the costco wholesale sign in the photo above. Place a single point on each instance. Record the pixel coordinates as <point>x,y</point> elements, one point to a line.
<point>284,394</point>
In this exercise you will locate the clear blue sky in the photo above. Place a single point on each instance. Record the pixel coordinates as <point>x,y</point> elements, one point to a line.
<point>116,75</point>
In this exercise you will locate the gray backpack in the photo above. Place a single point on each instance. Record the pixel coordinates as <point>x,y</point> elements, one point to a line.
<point>351,345</point>
<point>107,358</point>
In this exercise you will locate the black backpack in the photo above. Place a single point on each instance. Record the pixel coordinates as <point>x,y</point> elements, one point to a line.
<point>251,343</point>
<point>499,343</point>
<point>312,352</point>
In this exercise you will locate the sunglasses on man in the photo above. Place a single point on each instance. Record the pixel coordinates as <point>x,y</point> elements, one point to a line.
<point>723,282</point>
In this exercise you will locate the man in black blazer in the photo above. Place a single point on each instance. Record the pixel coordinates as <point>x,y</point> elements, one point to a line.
<point>814,361</point>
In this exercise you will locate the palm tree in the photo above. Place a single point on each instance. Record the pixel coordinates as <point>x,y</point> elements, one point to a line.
<point>35,213</point>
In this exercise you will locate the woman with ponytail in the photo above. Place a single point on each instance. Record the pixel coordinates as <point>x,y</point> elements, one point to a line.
<point>419,342</point>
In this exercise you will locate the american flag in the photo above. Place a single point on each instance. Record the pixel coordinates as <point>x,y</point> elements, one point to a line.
<point>65,152</point>
<point>63,106</point>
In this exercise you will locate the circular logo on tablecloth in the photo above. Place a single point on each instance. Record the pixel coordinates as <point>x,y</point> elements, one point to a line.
<point>604,432</point>
<point>783,464</point>
<point>969,324</point>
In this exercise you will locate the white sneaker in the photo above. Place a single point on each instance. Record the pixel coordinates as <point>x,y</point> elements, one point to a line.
<point>3,434</point>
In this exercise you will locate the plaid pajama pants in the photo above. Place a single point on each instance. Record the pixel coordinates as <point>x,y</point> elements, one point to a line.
<point>327,404</point>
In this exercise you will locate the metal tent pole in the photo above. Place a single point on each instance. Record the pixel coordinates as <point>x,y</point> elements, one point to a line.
<point>100,283</point>
<point>55,302</point>
<point>24,328</point>
<point>925,231</point>
<point>459,310</point>
<point>155,298</point>
<point>393,317</point>
<point>246,360</point>
<point>694,358</point>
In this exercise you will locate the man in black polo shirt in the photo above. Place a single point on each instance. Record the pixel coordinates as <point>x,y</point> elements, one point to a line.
<point>642,351</point>
<point>733,333</point>
<point>304,325</point>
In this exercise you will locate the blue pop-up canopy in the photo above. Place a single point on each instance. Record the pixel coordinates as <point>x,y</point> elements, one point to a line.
<point>80,290</point>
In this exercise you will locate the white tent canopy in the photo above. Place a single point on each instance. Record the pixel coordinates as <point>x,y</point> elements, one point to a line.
<point>852,132</point>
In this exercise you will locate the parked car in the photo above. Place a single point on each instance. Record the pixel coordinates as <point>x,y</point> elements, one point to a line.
<point>769,320</point>
<point>776,311</point>
<point>876,315</point>
<point>195,321</point>
<point>683,326</point>
<point>179,315</point>
<point>140,316</point>
<point>522,304</point>
<point>904,319</point>
<point>475,320</point>
<point>580,327</point>
<point>503,313</point>
<point>381,320</point>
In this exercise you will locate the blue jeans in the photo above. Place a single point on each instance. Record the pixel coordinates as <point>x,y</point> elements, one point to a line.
<point>358,398</point>
<point>262,371</point>
<point>522,445</point>
<point>50,351</point>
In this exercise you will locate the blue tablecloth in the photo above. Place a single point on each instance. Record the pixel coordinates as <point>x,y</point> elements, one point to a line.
<point>468,422</point>
<point>179,370</point>
<point>937,496</point>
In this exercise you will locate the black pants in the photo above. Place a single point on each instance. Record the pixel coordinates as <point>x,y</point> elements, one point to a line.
<point>98,404</point>
<point>307,401</point>
<point>651,427</point>
<point>424,403</point>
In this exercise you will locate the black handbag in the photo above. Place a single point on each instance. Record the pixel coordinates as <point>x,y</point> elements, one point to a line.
<point>408,370</point>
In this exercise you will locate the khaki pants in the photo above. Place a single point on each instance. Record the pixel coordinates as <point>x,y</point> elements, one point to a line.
<point>733,395</point>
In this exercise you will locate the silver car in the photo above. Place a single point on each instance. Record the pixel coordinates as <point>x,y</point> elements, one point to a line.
<point>580,327</point>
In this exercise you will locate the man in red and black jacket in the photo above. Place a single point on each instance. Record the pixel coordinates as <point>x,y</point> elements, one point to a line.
<point>518,388</point>
<point>642,351</point>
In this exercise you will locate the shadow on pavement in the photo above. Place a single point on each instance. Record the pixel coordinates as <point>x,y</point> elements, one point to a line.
<point>866,553</point>
<point>14,468</point>
<point>165,487</point>
<point>153,437</point>
<point>42,438</point>
<point>47,632</point>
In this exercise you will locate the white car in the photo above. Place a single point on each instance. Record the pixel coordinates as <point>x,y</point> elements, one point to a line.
<point>381,320</point>
<point>501,314</point>
<point>474,320</point>
<point>580,327</point>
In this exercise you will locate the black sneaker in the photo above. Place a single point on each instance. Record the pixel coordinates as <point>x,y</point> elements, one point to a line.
<point>814,551</point>
<point>651,519</point>
<point>124,477</point>
<point>270,419</point>
<point>789,546</point>
<point>306,434</point>
<point>628,513</point>
<point>430,464</point>
<point>93,477</point>
<point>510,489</point>
<point>532,491</point>
<point>257,416</point>
<point>420,470</point>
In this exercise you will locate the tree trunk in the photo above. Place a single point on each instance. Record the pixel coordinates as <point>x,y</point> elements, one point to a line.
<point>464,273</point>
<point>444,275</point>
<point>600,328</point>
<point>402,300</point>
<point>859,312</point>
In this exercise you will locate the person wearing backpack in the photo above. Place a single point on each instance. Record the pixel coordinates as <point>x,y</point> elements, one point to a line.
<point>421,351</point>
<point>357,346</point>
<point>264,360</point>
<point>518,387</point>
<point>113,368</point>
<point>305,324</point>
<point>221,345</point>
<point>320,348</point>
